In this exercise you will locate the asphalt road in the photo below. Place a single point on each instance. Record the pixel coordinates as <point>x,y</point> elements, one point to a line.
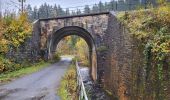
<point>41,85</point>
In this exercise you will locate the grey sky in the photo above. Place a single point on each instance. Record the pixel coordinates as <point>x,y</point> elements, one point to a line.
<point>9,4</point>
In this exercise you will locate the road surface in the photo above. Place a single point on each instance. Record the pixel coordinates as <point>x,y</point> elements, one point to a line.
<point>41,85</point>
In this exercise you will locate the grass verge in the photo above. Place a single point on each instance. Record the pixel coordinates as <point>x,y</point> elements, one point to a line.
<point>6,77</point>
<point>68,85</point>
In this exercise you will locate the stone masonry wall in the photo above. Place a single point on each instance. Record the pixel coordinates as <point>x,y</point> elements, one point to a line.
<point>95,25</point>
<point>124,75</point>
<point>118,58</point>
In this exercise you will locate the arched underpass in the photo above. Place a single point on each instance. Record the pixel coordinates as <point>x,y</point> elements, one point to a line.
<point>75,30</point>
<point>104,33</point>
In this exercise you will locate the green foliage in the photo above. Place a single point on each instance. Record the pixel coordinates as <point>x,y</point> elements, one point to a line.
<point>74,60</point>
<point>74,45</point>
<point>8,76</point>
<point>17,30</point>
<point>82,52</point>
<point>68,85</point>
<point>7,65</point>
<point>56,57</point>
<point>67,45</point>
<point>147,53</point>
<point>10,65</point>
<point>14,31</point>
<point>152,29</point>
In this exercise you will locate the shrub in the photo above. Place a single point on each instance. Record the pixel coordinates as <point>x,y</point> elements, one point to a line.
<point>56,57</point>
<point>152,29</point>
<point>68,87</point>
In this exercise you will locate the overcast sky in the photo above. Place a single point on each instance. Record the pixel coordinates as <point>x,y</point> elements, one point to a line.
<point>12,4</point>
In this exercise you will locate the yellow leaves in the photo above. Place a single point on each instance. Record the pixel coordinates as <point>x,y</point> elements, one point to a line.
<point>82,49</point>
<point>68,87</point>
<point>5,64</point>
<point>163,47</point>
<point>121,16</point>
<point>150,27</point>
<point>15,43</point>
<point>134,22</point>
<point>1,29</point>
<point>3,42</point>
<point>161,2</point>
<point>163,14</point>
<point>23,17</point>
<point>1,66</point>
<point>140,35</point>
<point>3,45</point>
<point>161,43</point>
<point>67,38</point>
<point>144,24</point>
<point>17,29</point>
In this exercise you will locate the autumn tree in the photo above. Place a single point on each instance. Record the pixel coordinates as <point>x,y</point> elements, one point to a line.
<point>14,31</point>
<point>82,51</point>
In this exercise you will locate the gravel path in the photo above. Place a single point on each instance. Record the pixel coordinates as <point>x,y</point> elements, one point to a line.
<point>41,85</point>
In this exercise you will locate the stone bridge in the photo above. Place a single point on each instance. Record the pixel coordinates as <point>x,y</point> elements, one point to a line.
<point>90,27</point>
<point>110,46</point>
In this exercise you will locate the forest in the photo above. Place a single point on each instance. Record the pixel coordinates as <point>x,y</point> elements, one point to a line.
<point>48,11</point>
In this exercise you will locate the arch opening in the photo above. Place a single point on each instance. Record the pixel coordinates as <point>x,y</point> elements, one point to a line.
<point>58,35</point>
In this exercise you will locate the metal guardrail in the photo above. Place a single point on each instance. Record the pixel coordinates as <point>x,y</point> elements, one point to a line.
<point>82,92</point>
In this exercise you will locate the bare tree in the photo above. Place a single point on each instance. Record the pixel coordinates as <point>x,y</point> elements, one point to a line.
<point>22,5</point>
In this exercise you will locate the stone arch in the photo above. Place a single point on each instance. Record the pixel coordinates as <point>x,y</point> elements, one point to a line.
<point>75,30</point>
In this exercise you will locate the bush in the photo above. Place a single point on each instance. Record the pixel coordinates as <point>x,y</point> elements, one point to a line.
<point>56,57</point>
<point>9,65</point>
<point>152,29</point>
<point>13,33</point>
<point>68,87</point>
<point>6,65</point>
